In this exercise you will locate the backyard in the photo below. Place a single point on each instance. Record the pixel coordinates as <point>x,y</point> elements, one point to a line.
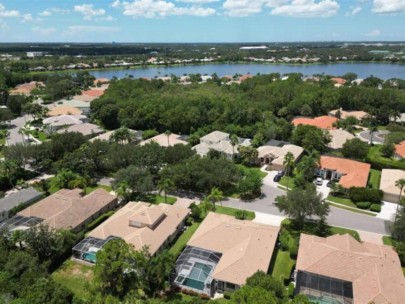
<point>377,161</point>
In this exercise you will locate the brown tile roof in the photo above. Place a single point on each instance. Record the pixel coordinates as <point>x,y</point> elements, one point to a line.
<point>94,92</point>
<point>68,208</point>
<point>245,246</point>
<point>64,110</point>
<point>322,122</point>
<point>119,224</point>
<point>374,270</point>
<point>162,140</point>
<point>355,172</point>
<point>400,149</point>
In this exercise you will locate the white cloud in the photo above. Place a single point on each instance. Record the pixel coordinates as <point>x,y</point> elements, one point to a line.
<point>116,4</point>
<point>243,8</point>
<point>388,6</point>
<point>374,33</point>
<point>88,11</point>
<point>307,8</point>
<point>8,13</point>
<point>26,18</point>
<point>161,8</point>
<point>197,1</point>
<point>354,10</point>
<point>45,13</point>
<point>44,31</point>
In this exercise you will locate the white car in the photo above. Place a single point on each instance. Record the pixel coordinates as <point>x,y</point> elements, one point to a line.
<point>319,181</point>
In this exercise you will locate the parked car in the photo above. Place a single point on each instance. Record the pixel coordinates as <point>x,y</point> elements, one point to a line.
<point>319,181</point>
<point>277,178</point>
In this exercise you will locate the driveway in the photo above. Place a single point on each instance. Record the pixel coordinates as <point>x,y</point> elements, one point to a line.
<point>15,125</point>
<point>378,137</point>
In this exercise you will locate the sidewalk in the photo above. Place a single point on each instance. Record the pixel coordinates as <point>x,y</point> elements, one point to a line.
<point>388,211</point>
<point>268,219</point>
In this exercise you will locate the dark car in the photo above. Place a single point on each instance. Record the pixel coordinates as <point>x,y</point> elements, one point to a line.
<point>277,178</point>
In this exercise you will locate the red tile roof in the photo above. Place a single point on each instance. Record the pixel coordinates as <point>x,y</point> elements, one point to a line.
<point>322,122</point>
<point>338,80</point>
<point>97,93</point>
<point>355,173</point>
<point>400,149</point>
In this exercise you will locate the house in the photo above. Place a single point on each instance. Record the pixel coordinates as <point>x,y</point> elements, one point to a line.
<point>223,253</point>
<point>100,81</point>
<point>83,106</point>
<point>322,122</point>
<point>137,223</point>
<point>65,120</point>
<point>87,129</point>
<point>274,151</point>
<point>387,184</point>
<point>398,119</point>
<point>166,140</point>
<point>400,150</point>
<point>339,269</point>
<point>63,110</point>
<point>350,173</point>
<point>65,209</point>
<point>338,138</point>
<point>93,92</point>
<point>339,82</point>
<point>20,198</point>
<point>359,115</point>
<point>137,135</point>
<point>221,142</point>
<point>26,88</point>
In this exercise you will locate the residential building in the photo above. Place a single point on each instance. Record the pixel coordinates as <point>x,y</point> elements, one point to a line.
<point>339,269</point>
<point>137,135</point>
<point>221,142</point>
<point>322,122</point>
<point>65,209</point>
<point>83,106</point>
<point>223,253</point>
<point>338,82</point>
<point>20,198</point>
<point>87,129</point>
<point>63,110</point>
<point>359,115</point>
<point>34,54</point>
<point>94,92</point>
<point>137,223</point>
<point>65,120</point>
<point>166,140</point>
<point>387,184</point>
<point>338,138</point>
<point>274,151</point>
<point>400,150</point>
<point>26,88</point>
<point>349,173</point>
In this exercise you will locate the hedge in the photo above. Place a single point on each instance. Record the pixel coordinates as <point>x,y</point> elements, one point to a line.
<point>363,205</point>
<point>361,194</point>
<point>375,207</point>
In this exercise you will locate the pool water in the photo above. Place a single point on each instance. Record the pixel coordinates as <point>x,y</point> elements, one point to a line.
<point>90,257</point>
<point>198,276</point>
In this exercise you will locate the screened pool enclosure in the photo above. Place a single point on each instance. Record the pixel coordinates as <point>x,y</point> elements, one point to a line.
<point>87,249</point>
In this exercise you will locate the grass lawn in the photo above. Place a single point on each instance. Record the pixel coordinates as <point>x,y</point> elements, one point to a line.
<point>183,239</point>
<point>339,230</point>
<point>387,240</point>
<point>352,210</point>
<point>74,276</point>
<point>283,265</point>
<point>232,211</point>
<point>342,201</point>
<point>377,161</point>
<point>374,179</point>
<point>254,169</point>
<point>283,181</point>
<point>89,189</point>
<point>157,199</point>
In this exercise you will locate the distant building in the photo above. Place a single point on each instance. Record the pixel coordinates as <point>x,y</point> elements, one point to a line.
<point>86,129</point>
<point>19,198</point>
<point>359,115</point>
<point>249,48</point>
<point>166,141</point>
<point>322,122</point>
<point>338,138</point>
<point>34,54</point>
<point>274,151</point>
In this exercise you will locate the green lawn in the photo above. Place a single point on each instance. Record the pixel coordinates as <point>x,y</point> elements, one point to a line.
<point>232,211</point>
<point>254,169</point>
<point>374,179</point>
<point>282,265</point>
<point>39,135</point>
<point>340,200</point>
<point>183,239</point>
<point>377,161</point>
<point>339,230</point>
<point>157,199</point>
<point>75,277</point>
<point>387,240</point>
<point>283,181</point>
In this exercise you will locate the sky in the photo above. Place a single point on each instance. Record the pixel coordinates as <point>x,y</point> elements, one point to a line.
<point>201,20</point>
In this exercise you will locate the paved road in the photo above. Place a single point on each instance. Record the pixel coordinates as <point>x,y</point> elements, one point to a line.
<point>337,216</point>
<point>16,124</point>
<point>378,137</point>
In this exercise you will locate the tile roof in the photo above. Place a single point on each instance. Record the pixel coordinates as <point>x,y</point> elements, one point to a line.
<point>20,197</point>
<point>322,122</point>
<point>85,128</point>
<point>388,179</point>
<point>278,152</point>
<point>26,88</point>
<point>163,141</point>
<point>64,120</point>
<point>400,149</point>
<point>215,136</point>
<point>94,92</point>
<point>338,80</point>
<point>119,224</point>
<point>374,270</point>
<point>345,114</point>
<point>355,173</point>
<point>64,110</point>
<point>106,136</point>
<point>246,246</point>
<point>338,138</point>
<point>68,208</point>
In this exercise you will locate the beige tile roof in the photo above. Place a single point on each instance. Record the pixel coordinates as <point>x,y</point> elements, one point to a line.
<point>119,224</point>
<point>345,114</point>
<point>162,140</point>
<point>68,208</point>
<point>245,246</point>
<point>388,179</point>
<point>355,172</point>
<point>338,138</point>
<point>215,136</point>
<point>84,128</point>
<point>26,88</point>
<point>278,153</point>
<point>374,270</point>
<point>64,110</point>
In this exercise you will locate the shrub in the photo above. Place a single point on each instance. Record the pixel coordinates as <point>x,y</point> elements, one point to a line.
<point>241,214</point>
<point>293,250</point>
<point>149,133</point>
<point>189,221</point>
<point>375,207</point>
<point>227,295</point>
<point>284,241</point>
<point>361,194</point>
<point>363,205</point>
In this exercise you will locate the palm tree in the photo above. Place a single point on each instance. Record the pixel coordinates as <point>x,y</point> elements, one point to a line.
<point>234,141</point>
<point>121,136</point>
<point>168,133</point>
<point>123,191</point>
<point>215,196</point>
<point>308,165</point>
<point>207,206</point>
<point>399,184</point>
<point>79,182</point>
<point>372,130</point>
<point>165,185</point>
<point>288,163</point>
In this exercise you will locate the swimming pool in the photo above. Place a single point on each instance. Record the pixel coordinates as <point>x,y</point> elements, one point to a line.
<point>90,257</point>
<point>197,277</point>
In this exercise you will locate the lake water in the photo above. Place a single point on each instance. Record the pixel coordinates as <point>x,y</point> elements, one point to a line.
<point>381,70</point>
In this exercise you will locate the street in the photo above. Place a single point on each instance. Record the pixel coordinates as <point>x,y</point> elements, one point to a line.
<point>15,125</point>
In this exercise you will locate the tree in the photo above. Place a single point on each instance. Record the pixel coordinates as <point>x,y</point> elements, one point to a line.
<point>79,182</point>
<point>310,138</point>
<point>387,149</point>
<point>267,282</point>
<point>258,140</point>
<point>121,136</point>
<point>355,148</point>
<point>399,184</point>
<point>215,196</point>
<point>168,133</point>
<point>123,191</point>
<point>64,179</point>
<point>139,180</point>
<point>115,271</point>
<point>248,154</point>
<point>288,163</point>
<point>234,141</point>
<point>250,185</point>
<point>308,164</point>
<point>5,115</point>
<point>33,109</point>
<point>253,295</point>
<point>165,185</point>
<point>301,203</point>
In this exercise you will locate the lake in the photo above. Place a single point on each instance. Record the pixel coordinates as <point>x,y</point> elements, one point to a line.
<point>363,70</point>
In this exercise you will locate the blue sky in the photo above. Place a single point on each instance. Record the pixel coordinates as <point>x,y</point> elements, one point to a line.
<point>200,20</point>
